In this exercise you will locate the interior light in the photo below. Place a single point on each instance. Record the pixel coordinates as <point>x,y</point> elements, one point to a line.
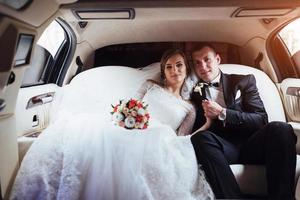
<point>261,12</point>
<point>96,14</point>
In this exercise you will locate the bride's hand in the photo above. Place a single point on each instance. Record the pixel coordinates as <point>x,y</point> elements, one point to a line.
<point>208,122</point>
<point>205,126</point>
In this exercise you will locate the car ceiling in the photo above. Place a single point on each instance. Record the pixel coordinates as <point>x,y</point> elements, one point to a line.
<point>160,20</point>
<point>171,23</point>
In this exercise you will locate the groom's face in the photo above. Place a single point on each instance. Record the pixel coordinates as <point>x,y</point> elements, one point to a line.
<point>206,64</point>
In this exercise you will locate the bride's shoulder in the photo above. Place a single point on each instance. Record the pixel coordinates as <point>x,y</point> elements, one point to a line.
<point>151,83</point>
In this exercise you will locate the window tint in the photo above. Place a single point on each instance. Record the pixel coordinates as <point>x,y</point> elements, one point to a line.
<point>138,55</point>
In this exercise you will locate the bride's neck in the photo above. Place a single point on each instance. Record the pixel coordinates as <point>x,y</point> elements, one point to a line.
<point>175,89</point>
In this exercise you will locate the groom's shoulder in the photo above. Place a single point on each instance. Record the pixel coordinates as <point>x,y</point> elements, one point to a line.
<point>239,77</point>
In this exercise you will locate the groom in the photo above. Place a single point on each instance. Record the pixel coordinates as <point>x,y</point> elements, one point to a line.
<point>239,130</point>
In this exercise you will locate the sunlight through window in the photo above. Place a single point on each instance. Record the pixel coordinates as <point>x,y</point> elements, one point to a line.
<point>291,36</point>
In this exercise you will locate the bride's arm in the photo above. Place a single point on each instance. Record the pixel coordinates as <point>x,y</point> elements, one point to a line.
<point>143,90</point>
<point>187,124</point>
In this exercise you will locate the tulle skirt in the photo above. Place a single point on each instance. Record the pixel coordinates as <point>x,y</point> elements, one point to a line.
<point>87,157</point>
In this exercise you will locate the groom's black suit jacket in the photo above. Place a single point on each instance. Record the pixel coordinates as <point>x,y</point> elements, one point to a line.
<point>244,115</point>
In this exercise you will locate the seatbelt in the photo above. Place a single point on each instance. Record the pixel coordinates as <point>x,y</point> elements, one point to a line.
<point>79,64</point>
<point>258,59</point>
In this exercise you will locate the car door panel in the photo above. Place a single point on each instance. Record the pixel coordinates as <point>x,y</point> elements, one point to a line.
<point>290,91</point>
<point>33,108</point>
<point>33,113</point>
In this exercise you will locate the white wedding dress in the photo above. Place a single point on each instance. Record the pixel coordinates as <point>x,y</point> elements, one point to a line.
<point>85,156</point>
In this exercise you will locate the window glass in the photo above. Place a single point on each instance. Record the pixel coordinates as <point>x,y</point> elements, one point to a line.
<point>44,53</point>
<point>52,38</point>
<point>16,4</point>
<point>291,36</point>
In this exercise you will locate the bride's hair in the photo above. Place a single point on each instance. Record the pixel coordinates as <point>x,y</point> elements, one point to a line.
<point>168,54</point>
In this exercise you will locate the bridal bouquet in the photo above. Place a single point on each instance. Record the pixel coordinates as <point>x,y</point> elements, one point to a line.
<point>130,114</point>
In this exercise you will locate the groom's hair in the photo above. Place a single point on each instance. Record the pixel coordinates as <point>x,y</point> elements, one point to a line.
<point>200,46</point>
<point>168,54</point>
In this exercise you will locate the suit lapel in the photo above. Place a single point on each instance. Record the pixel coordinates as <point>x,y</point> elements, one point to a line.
<point>197,99</point>
<point>227,89</point>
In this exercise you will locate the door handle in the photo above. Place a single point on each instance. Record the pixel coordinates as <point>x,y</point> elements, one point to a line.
<point>46,99</point>
<point>293,91</point>
<point>40,100</point>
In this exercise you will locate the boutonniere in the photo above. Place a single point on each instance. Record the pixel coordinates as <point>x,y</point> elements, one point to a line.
<point>198,88</point>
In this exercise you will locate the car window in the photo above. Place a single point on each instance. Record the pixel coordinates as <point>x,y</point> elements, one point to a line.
<point>284,47</point>
<point>44,54</point>
<point>52,38</point>
<point>16,4</point>
<point>291,36</point>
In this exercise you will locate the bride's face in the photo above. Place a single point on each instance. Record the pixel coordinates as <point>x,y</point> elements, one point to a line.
<point>175,70</point>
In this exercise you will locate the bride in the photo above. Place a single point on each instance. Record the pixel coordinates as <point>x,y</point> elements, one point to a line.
<point>84,157</point>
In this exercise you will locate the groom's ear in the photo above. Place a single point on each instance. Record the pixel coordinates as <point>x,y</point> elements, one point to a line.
<point>218,57</point>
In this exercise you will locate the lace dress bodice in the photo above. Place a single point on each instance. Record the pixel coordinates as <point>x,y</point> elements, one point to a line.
<point>163,106</point>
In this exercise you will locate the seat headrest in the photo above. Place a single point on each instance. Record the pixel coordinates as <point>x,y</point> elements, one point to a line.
<point>111,83</point>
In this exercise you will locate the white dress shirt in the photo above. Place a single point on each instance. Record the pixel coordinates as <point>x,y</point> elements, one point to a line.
<point>216,93</point>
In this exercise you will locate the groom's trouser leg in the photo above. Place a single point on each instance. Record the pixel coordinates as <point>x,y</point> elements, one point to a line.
<point>215,154</point>
<point>274,146</point>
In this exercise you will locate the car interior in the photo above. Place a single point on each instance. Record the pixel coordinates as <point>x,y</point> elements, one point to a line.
<point>103,50</point>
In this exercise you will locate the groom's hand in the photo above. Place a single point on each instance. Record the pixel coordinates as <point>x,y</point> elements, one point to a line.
<point>211,109</point>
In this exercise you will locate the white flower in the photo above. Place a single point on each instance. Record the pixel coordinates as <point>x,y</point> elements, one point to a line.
<point>129,122</point>
<point>198,88</point>
<point>141,111</point>
<point>117,117</point>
